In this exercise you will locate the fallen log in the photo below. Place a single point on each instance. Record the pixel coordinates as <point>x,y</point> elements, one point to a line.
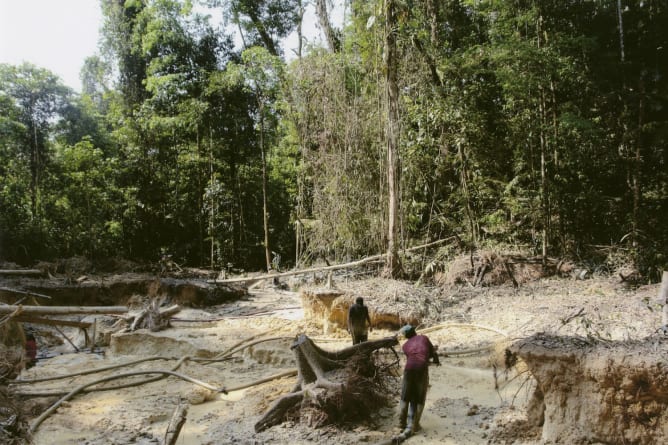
<point>51,321</point>
<point>62,310</point>
<point>176,423</point>
<point>349,376</point>
<point>379,257</point>
<point>22,292</point>
<point>13,272</point>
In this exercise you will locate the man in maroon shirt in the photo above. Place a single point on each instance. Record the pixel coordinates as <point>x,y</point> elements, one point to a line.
<point>418,350</point>
<point>31,350</point>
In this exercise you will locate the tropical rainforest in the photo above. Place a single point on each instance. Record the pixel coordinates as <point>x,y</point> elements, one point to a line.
<point>539,125</point>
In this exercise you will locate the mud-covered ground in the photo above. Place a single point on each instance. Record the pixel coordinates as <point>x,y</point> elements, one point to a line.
<point>473,399</point>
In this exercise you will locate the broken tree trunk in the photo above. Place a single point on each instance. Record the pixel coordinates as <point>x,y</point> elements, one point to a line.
<point>348,376</point>
<point>152,317</point>
<point>380,257</point>
<point>62,310</point>
<point>176,423</point>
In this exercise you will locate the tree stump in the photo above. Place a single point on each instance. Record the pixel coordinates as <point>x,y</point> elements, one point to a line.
<point>333,386</point>
<point>152,317</point>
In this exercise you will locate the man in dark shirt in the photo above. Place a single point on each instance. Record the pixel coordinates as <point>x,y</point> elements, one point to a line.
<point>358,317</point>
<point>418,350</point>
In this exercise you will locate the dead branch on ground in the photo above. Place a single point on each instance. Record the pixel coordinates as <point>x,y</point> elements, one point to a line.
<point>62,310</point>
<point>21,272</point>
<point>176,423</point>
<point>152,317</point>
<point>380,257</point>
<point>22,292</point>
<point>77,390</point>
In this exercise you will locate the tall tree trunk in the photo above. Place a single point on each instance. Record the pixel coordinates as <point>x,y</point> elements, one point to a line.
<point>323,18</point>
<point>267,40</point>
<point>300,35</point>
<point>633,179</point>
<point>473,221</point>
<point>432,11</point>
<point>559,204</point>
<point>393,266</point>
<point>212,204</point>
<point>544,194</point>
<point>35,173</point>
<point>237,209</point>
<point>637,162</point>
<point>265,210</point>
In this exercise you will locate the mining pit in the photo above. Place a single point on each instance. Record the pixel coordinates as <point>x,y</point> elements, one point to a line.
<point>554,360</point>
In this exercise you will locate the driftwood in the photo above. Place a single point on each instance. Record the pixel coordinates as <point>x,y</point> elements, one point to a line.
<point>380,257</point>
<point>316,379</point>
<point>176,423</point>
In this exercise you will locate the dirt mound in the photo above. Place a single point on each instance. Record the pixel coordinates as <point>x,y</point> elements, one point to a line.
<point>487,268</point>
<point>391,303</point>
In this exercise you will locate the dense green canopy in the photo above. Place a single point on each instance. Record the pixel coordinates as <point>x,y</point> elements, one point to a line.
<point>533,124</point>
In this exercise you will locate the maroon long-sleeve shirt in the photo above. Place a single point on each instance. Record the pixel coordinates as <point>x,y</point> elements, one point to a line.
<point>418,350</point>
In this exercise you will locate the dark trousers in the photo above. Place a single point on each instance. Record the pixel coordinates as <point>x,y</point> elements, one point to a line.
<point>360,337</point>
<point>414,386</point>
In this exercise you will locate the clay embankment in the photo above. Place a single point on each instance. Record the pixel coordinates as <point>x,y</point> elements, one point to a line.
<point>113,290</point>
<point>591,391</point>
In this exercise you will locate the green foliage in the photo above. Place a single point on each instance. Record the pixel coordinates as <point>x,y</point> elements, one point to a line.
<point>83,210</point>
<point>527,123</point>
<point>34,100</point>
<point>262,22</point>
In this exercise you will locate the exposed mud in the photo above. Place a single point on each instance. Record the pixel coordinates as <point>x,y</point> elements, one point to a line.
<point>473,398</point>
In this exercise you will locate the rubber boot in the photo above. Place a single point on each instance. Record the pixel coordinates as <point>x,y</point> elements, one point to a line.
<point>403,412</point>
<point>416,418</point>
<point>409,426</point>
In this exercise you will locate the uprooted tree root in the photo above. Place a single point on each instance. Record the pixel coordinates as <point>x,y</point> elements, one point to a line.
<point>334,387</point>
<point>13,425</point>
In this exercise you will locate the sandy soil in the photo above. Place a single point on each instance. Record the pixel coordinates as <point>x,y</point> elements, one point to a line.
<point>472,399</point>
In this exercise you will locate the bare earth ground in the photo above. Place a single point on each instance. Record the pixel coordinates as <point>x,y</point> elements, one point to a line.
<point>472,399</point>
